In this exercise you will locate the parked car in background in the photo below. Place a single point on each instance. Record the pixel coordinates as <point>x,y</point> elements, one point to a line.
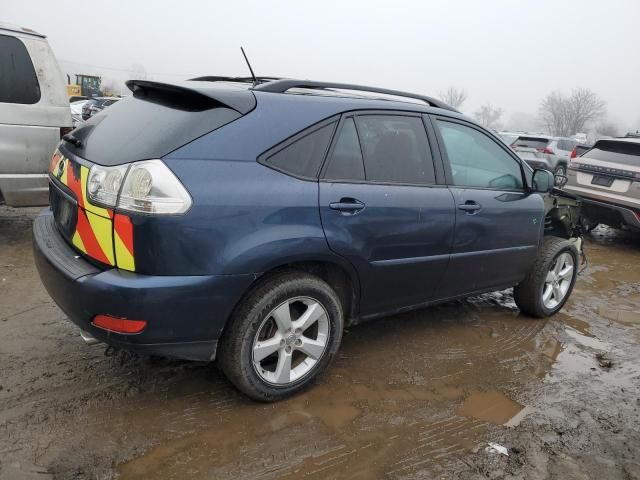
<point>76,112</point>
<point>34,114</point>
<point>251,224</point>
<point>542,151</point>
<point>607,177</point>
<point>95,105</point>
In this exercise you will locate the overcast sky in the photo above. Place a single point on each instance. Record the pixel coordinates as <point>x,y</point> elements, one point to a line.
<point>506,53</point>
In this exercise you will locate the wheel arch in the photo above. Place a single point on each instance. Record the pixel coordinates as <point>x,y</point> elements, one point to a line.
<point>338,273</point>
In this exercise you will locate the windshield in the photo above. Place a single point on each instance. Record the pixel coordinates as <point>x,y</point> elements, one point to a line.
<point>627,153</point>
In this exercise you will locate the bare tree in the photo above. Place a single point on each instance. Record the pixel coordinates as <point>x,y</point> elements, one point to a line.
<point>454,97</point>
<point>489,116</point>
<point>568,115</point>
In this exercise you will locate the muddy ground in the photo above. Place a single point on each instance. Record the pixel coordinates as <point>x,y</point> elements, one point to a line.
<point>418,395</point>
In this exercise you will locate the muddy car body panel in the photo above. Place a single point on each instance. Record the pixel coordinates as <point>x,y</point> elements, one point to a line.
<point>386,245</point>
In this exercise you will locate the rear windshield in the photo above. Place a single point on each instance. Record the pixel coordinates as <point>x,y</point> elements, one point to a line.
<point>136,129</point>
<point>531,142</point>
<point>566,144</point>
<point>620,152</point>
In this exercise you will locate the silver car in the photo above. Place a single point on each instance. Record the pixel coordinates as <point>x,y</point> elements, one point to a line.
<point>34,114</point>
<point>544,151</point>
<point>607,177</point>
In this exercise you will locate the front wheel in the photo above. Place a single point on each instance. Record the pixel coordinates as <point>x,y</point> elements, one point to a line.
<point>550,281</point>
<point>282,336</point>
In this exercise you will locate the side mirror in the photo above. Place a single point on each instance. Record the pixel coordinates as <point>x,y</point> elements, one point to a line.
<point>543,181</point>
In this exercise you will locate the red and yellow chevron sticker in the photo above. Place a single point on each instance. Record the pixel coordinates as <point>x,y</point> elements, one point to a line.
<point>100,234</point>
<point>123,241</point>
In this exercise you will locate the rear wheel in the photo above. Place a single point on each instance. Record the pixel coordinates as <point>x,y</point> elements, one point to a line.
<point>561,170</point>
<point>282,336</point>
<point>551,279</point>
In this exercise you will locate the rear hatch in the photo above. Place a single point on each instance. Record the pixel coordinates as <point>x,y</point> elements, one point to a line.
<point>157,119</point>
<point>531,150</point>
<point>610,171</point>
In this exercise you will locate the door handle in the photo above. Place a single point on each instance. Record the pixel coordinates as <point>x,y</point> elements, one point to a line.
<point>470,207</point>
<point>347,206</point>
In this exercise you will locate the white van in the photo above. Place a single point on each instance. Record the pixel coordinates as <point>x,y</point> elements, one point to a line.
<point>34,114</point>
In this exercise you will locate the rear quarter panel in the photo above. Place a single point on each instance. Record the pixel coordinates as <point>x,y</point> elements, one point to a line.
<point>245,218</point>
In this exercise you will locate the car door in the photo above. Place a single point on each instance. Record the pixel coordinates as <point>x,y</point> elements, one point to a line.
<point>383,209</point>
<point>499,223</point>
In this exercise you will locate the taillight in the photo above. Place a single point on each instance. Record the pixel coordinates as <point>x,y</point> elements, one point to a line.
<point>147,187</point>
<point>118,325</point>
<point>574,154</point>
<point>64,131</point>
<point>545,150</point>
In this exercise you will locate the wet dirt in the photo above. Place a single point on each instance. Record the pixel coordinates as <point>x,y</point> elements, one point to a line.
<point>418,395</point>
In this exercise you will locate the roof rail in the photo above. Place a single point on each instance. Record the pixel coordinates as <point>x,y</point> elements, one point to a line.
<point>213,78</point>
<point>281,86</point>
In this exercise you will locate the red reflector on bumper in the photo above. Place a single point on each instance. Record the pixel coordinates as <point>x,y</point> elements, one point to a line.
<point>118,325</point>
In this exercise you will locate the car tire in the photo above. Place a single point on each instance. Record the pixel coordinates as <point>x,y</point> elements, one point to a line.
<point>258,326</point>
<point>561,170</point>
<point>548,285</point>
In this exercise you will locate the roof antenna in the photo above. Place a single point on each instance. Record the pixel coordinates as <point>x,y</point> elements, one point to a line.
<point>255,80</point>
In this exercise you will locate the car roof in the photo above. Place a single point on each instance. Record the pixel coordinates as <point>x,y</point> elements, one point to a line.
<point>322,89</point>
<point>241,93</point>
<point>288,85</point>
<point>618,140</point>
<point>346,103</point>
<point>15,28</point>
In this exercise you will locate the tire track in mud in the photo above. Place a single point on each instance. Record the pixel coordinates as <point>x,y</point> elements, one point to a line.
<point>500,345</point>
<point>413,448</point>
<point>438,442</point>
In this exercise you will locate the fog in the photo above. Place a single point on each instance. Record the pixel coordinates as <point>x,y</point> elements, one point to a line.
<point>506,54</point>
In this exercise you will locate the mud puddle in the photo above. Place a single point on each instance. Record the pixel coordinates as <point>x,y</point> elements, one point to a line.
<point>492,406</point>
<point>417,395</point>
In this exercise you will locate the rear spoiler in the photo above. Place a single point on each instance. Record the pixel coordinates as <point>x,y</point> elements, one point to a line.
<point>193,96</point>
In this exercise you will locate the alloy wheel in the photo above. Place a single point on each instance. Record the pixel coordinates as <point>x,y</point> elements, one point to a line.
<point>290,341</point>
<point>558,281</point>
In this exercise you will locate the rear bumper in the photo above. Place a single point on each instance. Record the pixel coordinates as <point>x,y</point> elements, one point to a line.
<point>185,314</point>
<point>593,209</point>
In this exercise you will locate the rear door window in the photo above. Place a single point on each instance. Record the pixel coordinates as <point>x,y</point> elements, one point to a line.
<point>18,80</point>
<point>396,149</point>
<point>478,161</point>
<point>302,157</point>
<point>346,161</point>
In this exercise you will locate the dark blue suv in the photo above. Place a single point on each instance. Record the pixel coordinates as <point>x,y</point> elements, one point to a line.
<point>250,222</point>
